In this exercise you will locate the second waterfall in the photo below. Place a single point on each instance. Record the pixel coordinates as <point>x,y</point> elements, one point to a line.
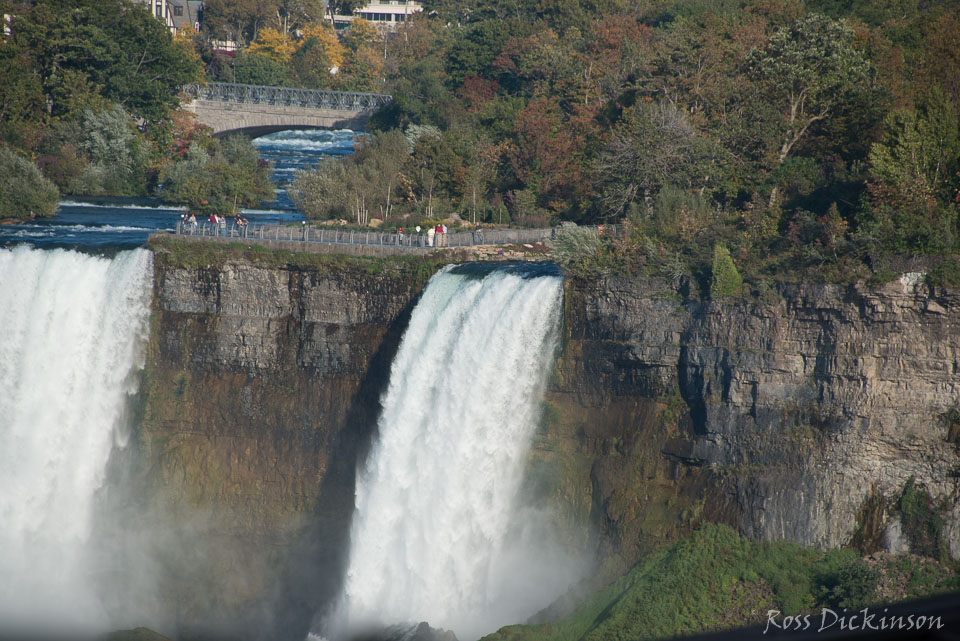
<point>436,535</point>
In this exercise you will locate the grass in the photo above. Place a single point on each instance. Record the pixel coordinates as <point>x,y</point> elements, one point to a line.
<point>714,579</point>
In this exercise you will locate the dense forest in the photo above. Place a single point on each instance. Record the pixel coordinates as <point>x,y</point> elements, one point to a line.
<point>818,136</point>
<point>90,95</point>
<point>814,137</point>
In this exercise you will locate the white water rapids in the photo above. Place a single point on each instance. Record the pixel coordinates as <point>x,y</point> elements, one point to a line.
<point>436,535</point>
<point>73,329</point>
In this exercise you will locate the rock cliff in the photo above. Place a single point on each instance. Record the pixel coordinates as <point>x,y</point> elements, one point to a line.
<point>261,389</point>
<point>799,419</point>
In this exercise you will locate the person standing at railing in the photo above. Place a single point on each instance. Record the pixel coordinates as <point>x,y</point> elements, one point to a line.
<point>443,230</point>
<point>430,234</point>
<point>399,236</point>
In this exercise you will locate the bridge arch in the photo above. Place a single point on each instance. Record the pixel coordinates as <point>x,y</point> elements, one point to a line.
<point>256,110</point>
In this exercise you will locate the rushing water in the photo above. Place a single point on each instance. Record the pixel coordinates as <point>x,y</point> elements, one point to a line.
<point>126,223</point>
<point>293,150</point>
<point>435,535</point>
<point>74,327</point>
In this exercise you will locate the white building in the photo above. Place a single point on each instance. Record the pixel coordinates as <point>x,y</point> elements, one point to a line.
<point>162,10</point>
<point>176,14</point>
<point>385,14</point>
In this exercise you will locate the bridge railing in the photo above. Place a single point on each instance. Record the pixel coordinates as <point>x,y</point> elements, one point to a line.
<point>306,233</point>
<point>288,97</point>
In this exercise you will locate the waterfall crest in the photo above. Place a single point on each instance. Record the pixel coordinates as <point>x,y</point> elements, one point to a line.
<point>74,327</point>
<point>435,536</point>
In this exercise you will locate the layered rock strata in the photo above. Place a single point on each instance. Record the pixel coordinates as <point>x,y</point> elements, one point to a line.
<point>798,419</point>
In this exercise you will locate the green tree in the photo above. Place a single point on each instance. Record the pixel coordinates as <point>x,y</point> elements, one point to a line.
<point>913,178</point>
<point>237,20</point>
<point>725,280</point>
<point>220,180</point>
<point>808,70</point>
<point>257,69</point>
<point>119,50</point>
<point>24,192</point>
<point>21,96</point>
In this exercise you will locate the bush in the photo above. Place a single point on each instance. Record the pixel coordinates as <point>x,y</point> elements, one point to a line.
<point>946,274</point>
<point>725,280</point>
<point>24,192</point>
<point>844,580</point>
<point>579,249</point>
<point>921,522</point>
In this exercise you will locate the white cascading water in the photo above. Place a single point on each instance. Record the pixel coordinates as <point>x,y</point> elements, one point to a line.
<point>435,536</point>
<point>73,331</point>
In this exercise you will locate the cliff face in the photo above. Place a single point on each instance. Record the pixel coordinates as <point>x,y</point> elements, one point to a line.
<point>801,419</point>
<point>261,390</point>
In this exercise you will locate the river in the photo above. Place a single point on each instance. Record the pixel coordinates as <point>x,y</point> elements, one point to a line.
<point>123,223</point>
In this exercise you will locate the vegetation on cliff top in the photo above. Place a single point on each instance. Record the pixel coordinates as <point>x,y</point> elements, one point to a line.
<point>715,579</point>
<point>179,252</point>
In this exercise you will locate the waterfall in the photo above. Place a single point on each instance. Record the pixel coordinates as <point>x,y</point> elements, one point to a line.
<point>74,327</point>
<point>435,535</point>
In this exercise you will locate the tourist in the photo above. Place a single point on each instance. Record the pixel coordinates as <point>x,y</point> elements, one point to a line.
<point>431,232</point>
<point>399,235</point>
<point>444,231</point>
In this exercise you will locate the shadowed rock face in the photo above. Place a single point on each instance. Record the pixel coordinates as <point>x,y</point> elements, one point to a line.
<point>261,390</point>
<point>797,420</point>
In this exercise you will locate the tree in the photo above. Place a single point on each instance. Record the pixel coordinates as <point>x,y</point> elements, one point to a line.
<point>237,20</point>
<point>653,145</point>
<point>297,15</point>
<point>318,58</point>
<point>274,45</point>
<point>725,280</point>
<point>322,192</point>
<point>325,38</point>
<point>218,180</point>
<point>808,70</point>
<point>21,95</point>
<point>257,69</point>
<point>912,178</point>
<point>109,48</point>
<point>24,192</point>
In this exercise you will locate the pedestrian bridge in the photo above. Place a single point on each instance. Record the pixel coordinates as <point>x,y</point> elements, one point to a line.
<point>255,110</point>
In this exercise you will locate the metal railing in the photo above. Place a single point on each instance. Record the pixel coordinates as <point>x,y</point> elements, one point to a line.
<point>288,97</point>
<point>308,234</point>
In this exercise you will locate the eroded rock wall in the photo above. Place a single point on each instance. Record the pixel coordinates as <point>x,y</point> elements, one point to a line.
<point>261,391</point>
<point>801,419</point>
<point>798,419</point>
